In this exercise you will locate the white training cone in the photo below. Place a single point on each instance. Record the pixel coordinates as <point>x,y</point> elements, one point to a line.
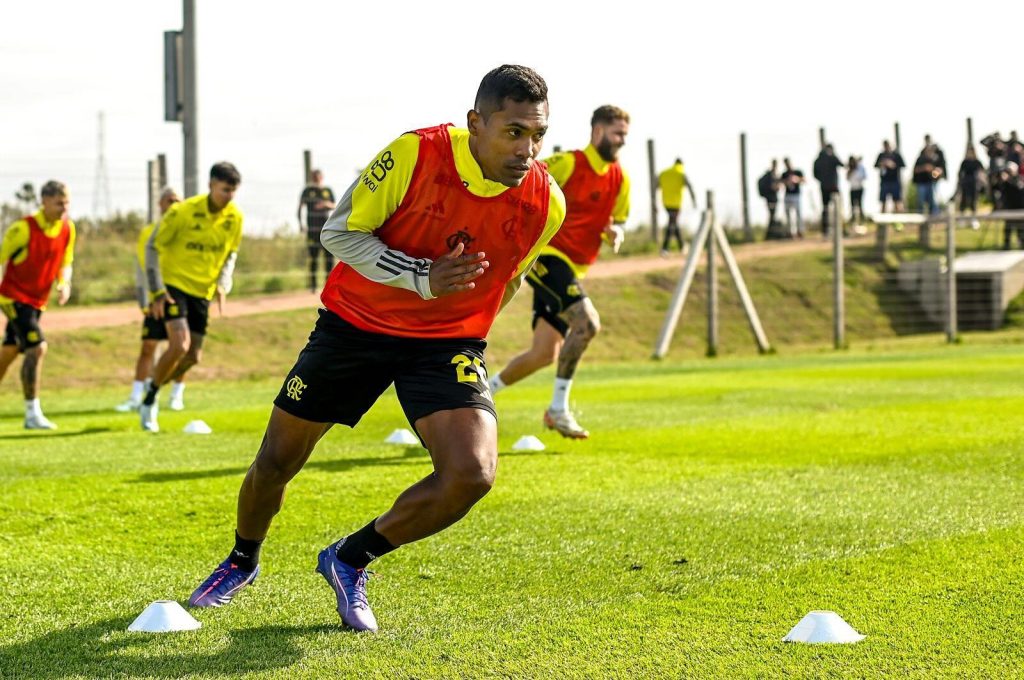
<point>528,443</point>
<point>402,436</point>
<point>821,626</point>
<point>164,616</point>
<point>197,427</point>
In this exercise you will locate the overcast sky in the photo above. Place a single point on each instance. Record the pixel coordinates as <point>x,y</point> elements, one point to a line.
<point>344,78</point>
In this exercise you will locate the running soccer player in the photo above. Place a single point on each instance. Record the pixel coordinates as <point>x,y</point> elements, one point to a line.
<point>434,238</point>
<point>153,331</point>
<point>189,258</point>
<point>564,319</point>
<point>36,251</point>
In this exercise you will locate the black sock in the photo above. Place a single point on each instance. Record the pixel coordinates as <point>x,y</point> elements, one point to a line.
<point>151,395</point>
<point>359,549</point>
<point>246,554</point>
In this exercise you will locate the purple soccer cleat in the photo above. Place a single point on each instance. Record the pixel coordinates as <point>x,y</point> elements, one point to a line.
<point>349,585</point>
<point>222,585</point>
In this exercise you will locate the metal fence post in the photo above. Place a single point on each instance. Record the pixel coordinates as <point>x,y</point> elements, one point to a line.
<point>712,274</point>
<point>951,329</point>
<point>838,300</point>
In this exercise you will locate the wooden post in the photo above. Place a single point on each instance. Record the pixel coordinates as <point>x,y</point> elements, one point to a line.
<point>154,187</point>
<point>821,137</point>
<point>675,308</point>
<point>307,164</point>
<point>924,234</point>
<point>748,232</point>
<point>951,320</point>
<point>970,131</point>
<point>712,276</point>
<point>881,240</point>
<point>653,184</point>
<point>896,133</point>
<point>839,302</point>
<point>741,287</point>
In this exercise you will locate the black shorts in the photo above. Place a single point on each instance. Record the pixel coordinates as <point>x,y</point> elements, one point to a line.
<point>22,325</point>
<point>343,370</point>
<point>153,329</point>
<point>555,287</point>
<point>195,310</point>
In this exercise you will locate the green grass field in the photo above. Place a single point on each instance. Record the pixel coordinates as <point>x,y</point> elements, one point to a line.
<point>716,503</point>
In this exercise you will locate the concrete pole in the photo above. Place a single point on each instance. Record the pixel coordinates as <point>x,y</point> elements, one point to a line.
<point>748,232</point>
<point>821,137</point>
<point>712,275</point>
<point>189,122</point>
<point>970,131</point>
<point>653,183</point>
<point>896,134</point>
<point>307,164</point>
<point>153,190</point>
<point>161,161</point>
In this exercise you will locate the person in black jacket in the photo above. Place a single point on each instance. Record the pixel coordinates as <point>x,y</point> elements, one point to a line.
<point>826,171</point>
<point>768,189</point>
<point>967,182</point>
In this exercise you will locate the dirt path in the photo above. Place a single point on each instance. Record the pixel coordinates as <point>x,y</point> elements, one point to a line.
<point>101,316</point>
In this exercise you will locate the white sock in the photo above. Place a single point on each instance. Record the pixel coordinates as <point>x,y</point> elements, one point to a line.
<point>138,387</point>
<point>177,390</point>
<point>496,383</point>
<point>32,407</point>
<point>560,399</point>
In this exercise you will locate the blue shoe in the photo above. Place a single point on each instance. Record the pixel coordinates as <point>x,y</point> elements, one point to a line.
<point>349,586</point>
<point>222,585</point>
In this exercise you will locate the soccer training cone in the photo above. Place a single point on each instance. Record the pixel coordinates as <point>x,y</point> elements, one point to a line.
<point>821,626</point>
<point>528,443</point>
<point>402,436</point>
<point>164,616</point>
<point>197,427</point>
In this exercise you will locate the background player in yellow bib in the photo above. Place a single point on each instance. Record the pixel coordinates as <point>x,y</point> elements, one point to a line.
<point>36,251</point>
<point>189,258</point>
<point>153,331</point>
<point>672,181</point>
<point>564,319</point>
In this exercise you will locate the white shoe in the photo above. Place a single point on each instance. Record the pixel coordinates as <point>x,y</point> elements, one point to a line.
<point>147,416</point>
<point>177,404</point>
<point>37,421</point>
<point>564,423</point>
<point>128,406</point>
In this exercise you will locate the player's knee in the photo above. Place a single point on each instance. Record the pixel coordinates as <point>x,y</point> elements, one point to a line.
<point>470,483</point>
<point>273,470</point>
<point>38,351</point>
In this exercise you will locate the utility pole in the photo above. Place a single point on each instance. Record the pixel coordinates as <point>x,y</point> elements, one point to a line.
<point>101,182</point>
<point>189,127</point>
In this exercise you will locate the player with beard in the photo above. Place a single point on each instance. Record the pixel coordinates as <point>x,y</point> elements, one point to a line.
<point>564,319</point>
<point>434,237</point>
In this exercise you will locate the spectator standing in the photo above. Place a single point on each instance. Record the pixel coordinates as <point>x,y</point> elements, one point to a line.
<point>968,181</point>
<point>890,164</point>
<point>826,171</point>
<point>927,171</point>
<point>768,188</point>
<point>792,179</point>
<point>856,175</point>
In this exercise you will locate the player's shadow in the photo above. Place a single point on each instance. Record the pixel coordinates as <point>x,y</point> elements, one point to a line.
<point>53,433</point>
<point>412,455</point>
<point>105,648</point>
